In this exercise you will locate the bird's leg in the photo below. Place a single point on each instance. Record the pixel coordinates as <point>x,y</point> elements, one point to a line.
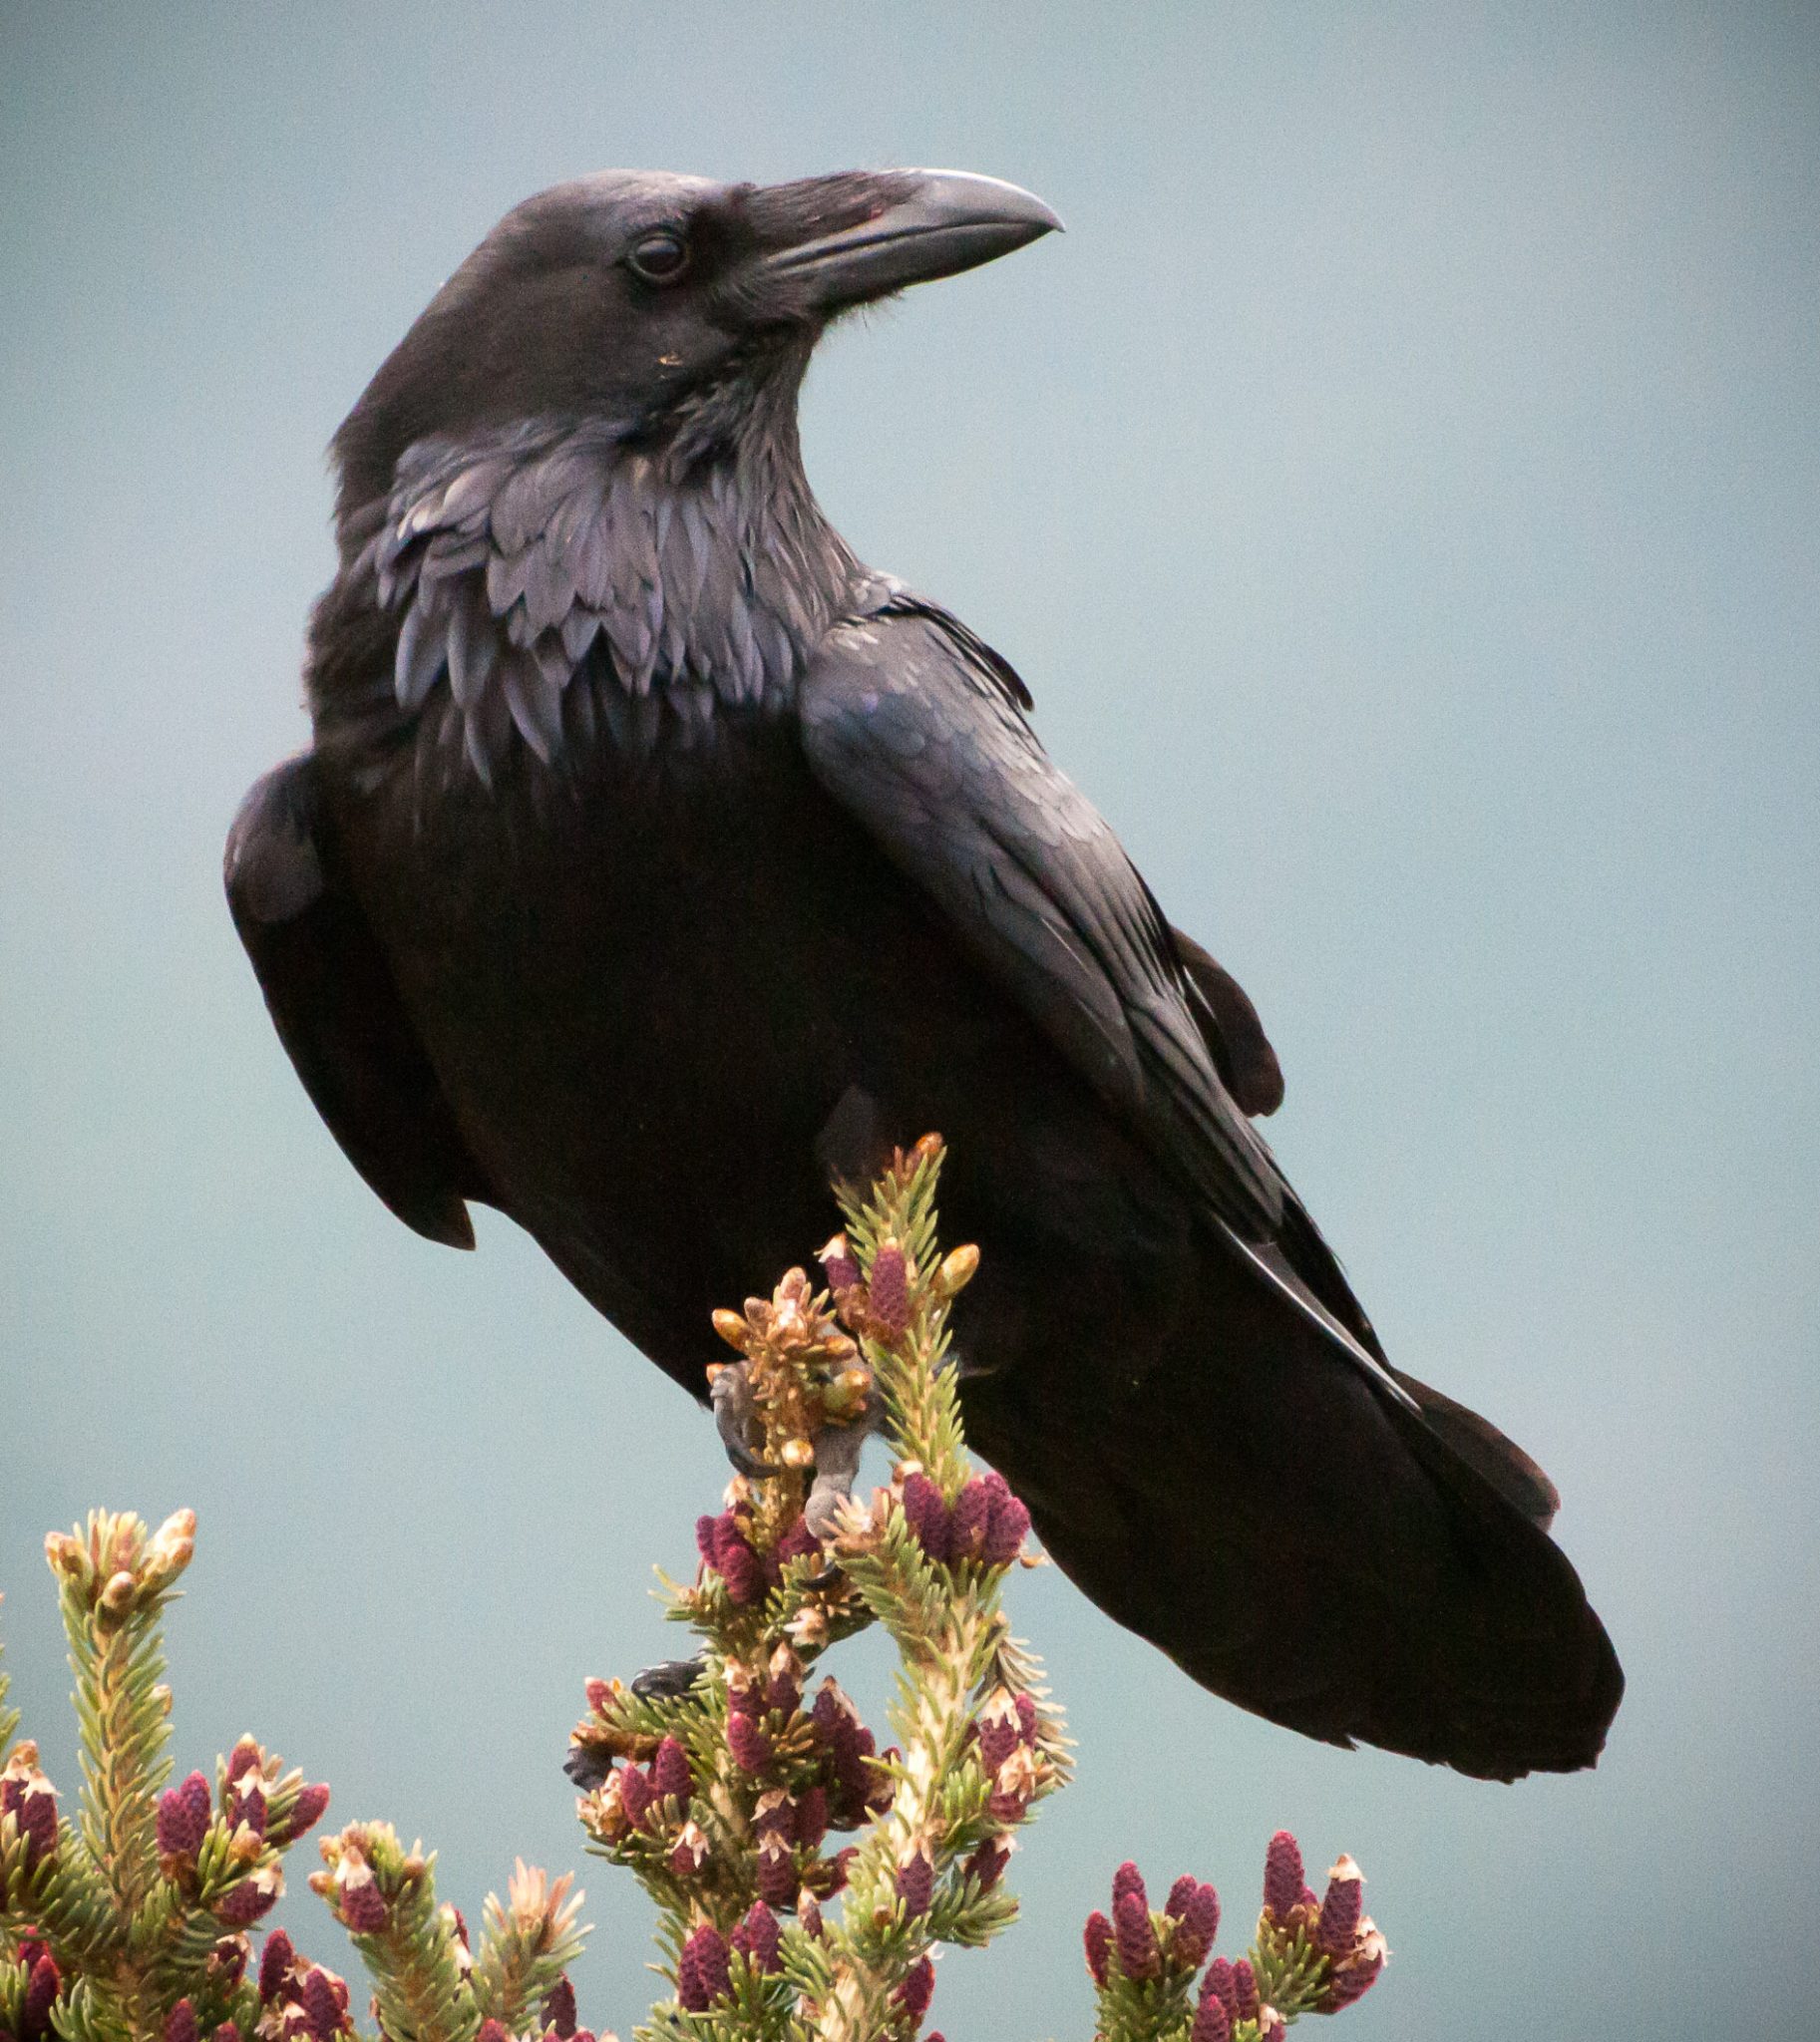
<point>836,1465</point>
<point>736,1419</point>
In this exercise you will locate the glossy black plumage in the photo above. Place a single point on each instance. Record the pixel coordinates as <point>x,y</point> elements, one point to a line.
<point>653,858</point>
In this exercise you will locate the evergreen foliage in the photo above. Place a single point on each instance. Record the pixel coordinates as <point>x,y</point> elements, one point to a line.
<point>717,1781</point>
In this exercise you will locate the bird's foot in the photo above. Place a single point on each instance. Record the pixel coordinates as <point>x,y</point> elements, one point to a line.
<point>736,1419</point>
<point>837,1467</point>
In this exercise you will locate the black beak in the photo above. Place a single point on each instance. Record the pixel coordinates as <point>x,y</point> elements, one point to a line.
<point>925,224</point>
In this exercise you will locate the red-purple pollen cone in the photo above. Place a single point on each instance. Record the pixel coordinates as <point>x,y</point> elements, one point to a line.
<point>43,1982</point>
<point>926,1515</point>
<point>1197,1925</point>
<point>325,2004</point>
<point>559,2008</point>
<point>1136,1936</point>
<point>967,1527</point>
<point>243,1904</point>
<point>809,1817</point>
<point>1350,1982</point>
<point>702,1976</point>
<point>1244,1990</point>
<point>224,2031</point>
<point>275,1965</point>
<point>305,1813</point>
<point>750,1747</point>
<point>998,1739</point>
<point>1026,1716</point>
<point>1283,1874</point>
<point>363,1907</point>
<point>634,1794</point>
<point>491,2030</point>
<point>889,1291</point>
<point>757,1938</point>
<point>670,1774</point>
<point>1179,1894</point>
<point>180,2023</point>
<point>1007,1527</point>
<point>914,1885</point>
<point>1223,1984</point>
<point>1097,1939</point>
<point>776,1873</point>
<point>914,1994</point>
<point>987,1866</point>
<point>838,1264</point>
<point>182,1818</point>
<point>1341,1909</point>
<point>1128,1880</point>
<point>1211,2021</point>
<point>244,1756</point>
<point>30,1799</point>
<point>246,1807</point>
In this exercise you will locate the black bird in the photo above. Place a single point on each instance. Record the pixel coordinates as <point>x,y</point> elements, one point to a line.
<point>655,860</point>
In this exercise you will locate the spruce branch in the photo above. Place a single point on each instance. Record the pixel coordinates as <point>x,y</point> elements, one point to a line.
<point>725,1783</point>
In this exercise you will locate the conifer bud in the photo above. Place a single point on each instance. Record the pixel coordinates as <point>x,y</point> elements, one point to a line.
<point>956,1271</point>
<point>733,1330</point>
<point>180,2023</point>
<point>304,1813</point>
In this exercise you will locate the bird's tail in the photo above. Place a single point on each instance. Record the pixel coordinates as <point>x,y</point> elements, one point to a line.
<point>1357,1565</point>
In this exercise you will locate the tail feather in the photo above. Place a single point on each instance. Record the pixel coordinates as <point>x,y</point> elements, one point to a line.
<point>1310,1548</point>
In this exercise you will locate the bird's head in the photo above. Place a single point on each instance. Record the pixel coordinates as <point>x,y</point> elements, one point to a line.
<point>670,307</point>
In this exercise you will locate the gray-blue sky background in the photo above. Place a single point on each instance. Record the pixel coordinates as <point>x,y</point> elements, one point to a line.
<point>1398,487</point>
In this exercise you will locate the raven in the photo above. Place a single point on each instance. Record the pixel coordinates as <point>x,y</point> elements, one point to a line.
<point>655,860</point>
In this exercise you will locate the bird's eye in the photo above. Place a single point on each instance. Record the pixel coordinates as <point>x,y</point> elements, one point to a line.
<point>658,258</point>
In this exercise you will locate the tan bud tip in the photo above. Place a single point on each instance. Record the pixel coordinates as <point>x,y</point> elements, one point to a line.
<point>956,1270</point>
<point>116,1598</point>
<point>928,1148</point>
<point>733,1330</point>
<point>797,1453</point>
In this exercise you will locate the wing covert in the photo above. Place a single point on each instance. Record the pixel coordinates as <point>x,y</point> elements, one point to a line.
<point>924,742</point>
<point>337,1011</point>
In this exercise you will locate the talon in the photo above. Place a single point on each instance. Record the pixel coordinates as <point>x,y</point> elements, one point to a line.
<point>735,1420</point>
<point>667,1680</point>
